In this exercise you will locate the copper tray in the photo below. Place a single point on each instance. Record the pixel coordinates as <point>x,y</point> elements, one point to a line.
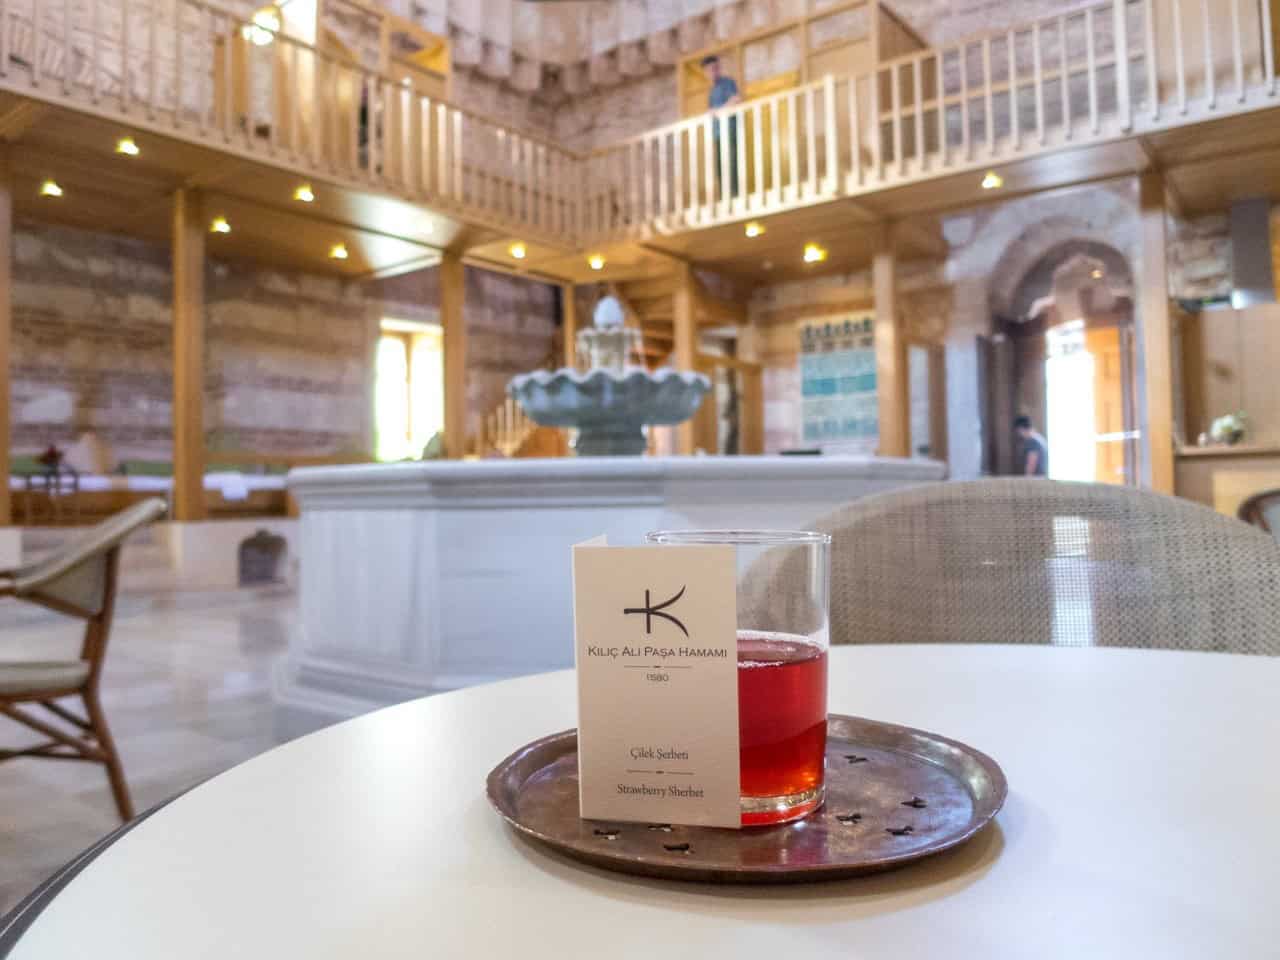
<point>894,795</point>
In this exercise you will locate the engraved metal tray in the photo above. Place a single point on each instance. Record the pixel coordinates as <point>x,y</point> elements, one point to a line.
<point>894,795</point>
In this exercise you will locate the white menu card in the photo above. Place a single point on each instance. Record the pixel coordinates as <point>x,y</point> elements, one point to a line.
<point>655,632</point>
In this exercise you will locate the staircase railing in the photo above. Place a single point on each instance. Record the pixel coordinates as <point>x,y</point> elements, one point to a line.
<point>504,430</point>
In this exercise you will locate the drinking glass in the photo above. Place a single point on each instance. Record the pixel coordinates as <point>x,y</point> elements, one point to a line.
<point>783,581</point>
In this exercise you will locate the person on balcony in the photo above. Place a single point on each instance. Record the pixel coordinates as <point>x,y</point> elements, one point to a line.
<point>723,93</point>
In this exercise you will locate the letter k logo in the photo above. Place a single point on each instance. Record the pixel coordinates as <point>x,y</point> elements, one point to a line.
<point>650,611</point>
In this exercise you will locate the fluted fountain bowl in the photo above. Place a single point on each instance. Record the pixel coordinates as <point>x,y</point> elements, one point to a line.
<point>608,407</point>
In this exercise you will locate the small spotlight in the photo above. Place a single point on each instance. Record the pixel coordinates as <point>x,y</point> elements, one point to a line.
<point>992,181</point>
<point>814,253</point>
<point>754,229</point>
<point>304,193</point>
<point>596,261</point>
<point>1096,274</point>
<point>338,251</point>
<point>219,225</point>
<point>127,146</point>
<point>518,250</point>
<point>50,188</point>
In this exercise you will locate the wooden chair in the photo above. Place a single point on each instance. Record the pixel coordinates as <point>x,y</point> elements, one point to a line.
<point>1262,510</point>
<point>79,581</point>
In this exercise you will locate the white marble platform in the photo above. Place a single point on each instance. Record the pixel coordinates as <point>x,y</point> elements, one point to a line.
<point>421,577</point>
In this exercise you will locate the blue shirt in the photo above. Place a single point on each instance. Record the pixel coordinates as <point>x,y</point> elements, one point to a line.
<point>722,91</point>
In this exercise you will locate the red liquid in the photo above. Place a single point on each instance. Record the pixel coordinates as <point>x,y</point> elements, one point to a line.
<point>782,713</point>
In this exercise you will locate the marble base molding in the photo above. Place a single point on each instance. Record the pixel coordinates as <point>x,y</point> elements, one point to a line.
<point>422,577</point>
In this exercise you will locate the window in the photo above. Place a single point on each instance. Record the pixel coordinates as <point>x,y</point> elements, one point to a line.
<point>409,388</point>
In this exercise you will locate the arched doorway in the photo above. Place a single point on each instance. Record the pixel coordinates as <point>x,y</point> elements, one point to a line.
<point>1069,349</point>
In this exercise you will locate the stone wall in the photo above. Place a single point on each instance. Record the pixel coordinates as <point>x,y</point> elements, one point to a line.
<point>288,357</point>
<point>1200,257</point>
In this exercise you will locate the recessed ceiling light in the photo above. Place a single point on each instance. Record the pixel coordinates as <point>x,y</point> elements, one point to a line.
<point>518,250</point>
<point>304,193</point>
<point>814,253</point>
<point>1096,274</point>
<point>50,188</point>
<point>338,251</point>
<point>219,225</point>
<point>992,181</point>
<point>754,228</point>
<point>127,146</point>
<point>596,261</point>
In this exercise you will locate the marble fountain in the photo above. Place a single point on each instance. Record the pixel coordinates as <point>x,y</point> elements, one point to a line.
<point>612,402</point>
<point>419,577</point>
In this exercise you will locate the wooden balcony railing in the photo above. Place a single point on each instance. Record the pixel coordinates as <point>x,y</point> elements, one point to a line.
<point>1106,70</point>
<point>194,70</point>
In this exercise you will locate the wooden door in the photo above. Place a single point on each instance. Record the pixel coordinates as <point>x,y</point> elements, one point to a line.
<point>1105,345</point>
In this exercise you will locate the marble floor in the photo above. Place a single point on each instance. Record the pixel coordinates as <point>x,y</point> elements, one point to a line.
<point>186,689</point>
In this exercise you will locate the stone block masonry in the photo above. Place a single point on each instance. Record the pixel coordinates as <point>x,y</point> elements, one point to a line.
<point>289,355</point>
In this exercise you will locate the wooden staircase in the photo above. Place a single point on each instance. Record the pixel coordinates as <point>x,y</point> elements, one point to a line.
<point>650,305</point>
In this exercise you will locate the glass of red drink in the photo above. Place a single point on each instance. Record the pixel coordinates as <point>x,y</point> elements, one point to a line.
<point>783,587</point>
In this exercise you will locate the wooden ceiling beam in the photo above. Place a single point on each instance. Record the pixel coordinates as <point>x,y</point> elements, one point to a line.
<point>19,118</point>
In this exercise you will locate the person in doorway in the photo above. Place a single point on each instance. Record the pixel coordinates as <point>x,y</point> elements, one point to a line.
<point>1035,451</point>
<point>723,93</point>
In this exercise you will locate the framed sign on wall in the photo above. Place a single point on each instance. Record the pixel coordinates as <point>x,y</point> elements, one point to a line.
<point>838,382</point>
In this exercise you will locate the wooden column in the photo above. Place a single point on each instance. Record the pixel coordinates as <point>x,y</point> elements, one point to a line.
<point>569,324</point>
<point>453,292</point>
<point>6,323</point>
<point>1156,329</point>
<point>938,402</point>
<point>891,353</point>
<point>685,347</point>
<point>751,386</point>
<point>188,356</point>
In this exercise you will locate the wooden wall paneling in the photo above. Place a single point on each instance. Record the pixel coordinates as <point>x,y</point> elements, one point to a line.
<point>453,286</point>
<point>1156,332</point>
<point>188,241</point>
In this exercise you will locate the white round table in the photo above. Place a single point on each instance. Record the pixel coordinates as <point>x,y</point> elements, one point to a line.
<point>1141,822</point>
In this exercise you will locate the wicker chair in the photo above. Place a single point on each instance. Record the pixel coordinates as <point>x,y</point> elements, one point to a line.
<point>1018,560</point>
<point>79,581</point>
<point>1263,511</point>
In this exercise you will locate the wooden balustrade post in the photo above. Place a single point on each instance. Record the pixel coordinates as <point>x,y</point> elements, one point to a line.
<point>891,351</point>
<point>453,323</point>
<point>188,356</point>
<point>6,318</point>
<point>1124,101</point>
<point>1156,333</point>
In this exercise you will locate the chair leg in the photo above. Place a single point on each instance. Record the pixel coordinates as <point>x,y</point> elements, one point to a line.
<point>115,771</point>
